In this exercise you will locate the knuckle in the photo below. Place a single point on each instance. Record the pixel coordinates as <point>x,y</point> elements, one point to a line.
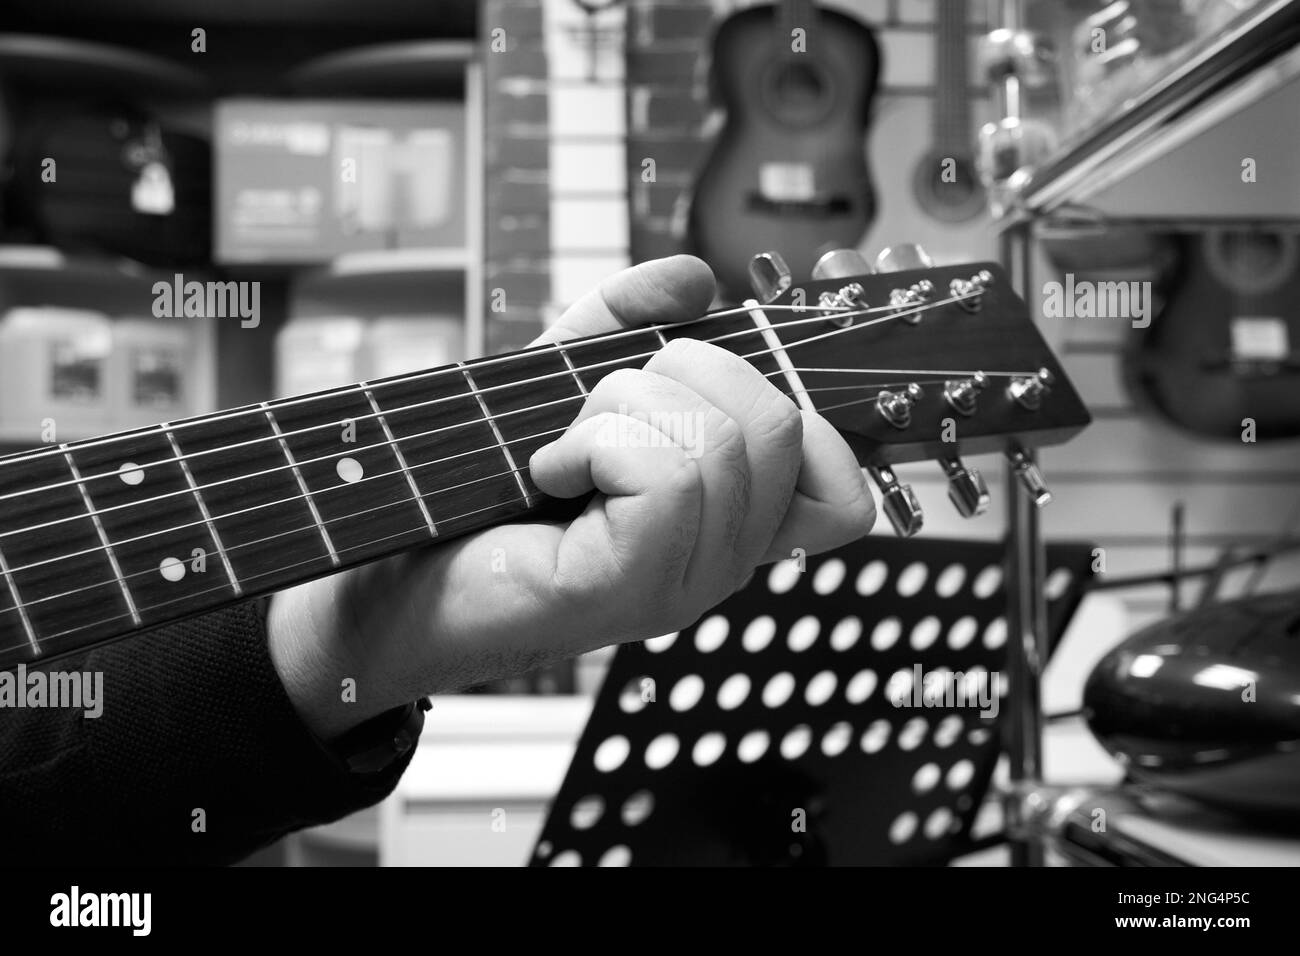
<point>617,381</point>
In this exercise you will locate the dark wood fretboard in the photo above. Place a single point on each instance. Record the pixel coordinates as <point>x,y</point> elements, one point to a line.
<point>107,537</point>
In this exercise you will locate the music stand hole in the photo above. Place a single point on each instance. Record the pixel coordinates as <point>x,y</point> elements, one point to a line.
<point>886,633</point>
<point>987,582</point>
<point>846,633</point>
<point>837,739</point>
<point>752,746</point>
<point>860,686</point>
<point>950,580</point>
<point>912,579</point>
<point>783,576</point>
<point>617,856</point>
<point>686,693</point>
<point>960,774</point>
<point>821,688</point>
<point>962,632</point>
<point>926,632</point>
<point>872,578</point>
<point>657,645</point>
<point>708,749</point>
<point>758,634</point>
<point>796,741</point>
<point>875,736</point>
<point>829,576</point>
<point>803,634</point>
<point>661,751</point>
<point>903,828</point>
<point>710,633</point>
<point>586,812</point>
<point>778,689</point>
<point>733,692</point>
<point>926,778</point>
<point>611,753</point>
<point>638,807</point>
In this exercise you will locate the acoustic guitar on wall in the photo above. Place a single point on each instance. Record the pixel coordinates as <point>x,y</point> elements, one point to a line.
<point>788,170</point>
<point>922,152</point>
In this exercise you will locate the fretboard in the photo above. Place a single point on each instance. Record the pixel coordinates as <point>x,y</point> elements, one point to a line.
<point>107,537</point>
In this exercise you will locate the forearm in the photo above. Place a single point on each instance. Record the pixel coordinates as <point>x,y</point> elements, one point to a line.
<point>198,756</point>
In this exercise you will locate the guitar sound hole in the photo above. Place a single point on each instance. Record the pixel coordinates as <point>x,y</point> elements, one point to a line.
<point>797,93</point>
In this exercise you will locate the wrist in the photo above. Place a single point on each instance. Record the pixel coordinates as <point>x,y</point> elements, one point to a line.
<point>314,652</point>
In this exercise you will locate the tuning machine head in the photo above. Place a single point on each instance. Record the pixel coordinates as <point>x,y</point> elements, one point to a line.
<point>896,407</point>
<point>1028,391</point>
<point>962,394</point>
<point>769,276</point>
<point>901,258</point>
<point>897,501</point>
<point>966,488</point>
<point>1029,476</point>
<point>969,292</point>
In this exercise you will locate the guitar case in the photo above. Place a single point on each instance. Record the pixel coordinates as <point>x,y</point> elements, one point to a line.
<point>122,183</point>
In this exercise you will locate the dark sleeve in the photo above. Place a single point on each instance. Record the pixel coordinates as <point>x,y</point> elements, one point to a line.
<point>194,718</point>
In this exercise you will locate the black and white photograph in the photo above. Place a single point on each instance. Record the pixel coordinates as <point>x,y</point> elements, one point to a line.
<point>682,434</point>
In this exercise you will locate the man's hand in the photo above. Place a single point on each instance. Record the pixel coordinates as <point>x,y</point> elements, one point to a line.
<point>703,471</point>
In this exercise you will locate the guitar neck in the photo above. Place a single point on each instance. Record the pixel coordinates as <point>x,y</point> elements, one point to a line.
<point>792,15</point>
<point>952,123</point>
<point>103,538</point>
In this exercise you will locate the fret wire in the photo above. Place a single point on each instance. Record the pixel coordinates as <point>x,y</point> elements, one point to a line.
<point>154,607</point>
<point>559,347</point>
<point>401,461</point>
<point>103,536</point>
<point>662,341</point>
<point>19,606</point>
<point>203,508</point>
<point>213,419</point>
<point>302,485</point>
<point>528,497</point>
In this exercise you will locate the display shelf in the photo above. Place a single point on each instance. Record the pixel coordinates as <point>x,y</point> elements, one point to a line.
<point>61,64</point>
<point>1232,96</point>
<point>416,68</point>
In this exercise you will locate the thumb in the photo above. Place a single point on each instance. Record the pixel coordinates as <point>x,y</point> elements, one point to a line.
<point>675,289</point>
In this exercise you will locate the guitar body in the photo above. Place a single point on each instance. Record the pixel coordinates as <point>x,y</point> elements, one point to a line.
<point>1226,345</point>
<point>789,170</point>
<point>904,172</point>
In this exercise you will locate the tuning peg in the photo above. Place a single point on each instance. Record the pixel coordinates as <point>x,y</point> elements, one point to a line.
<point>769,276</point>
<point>969,293</point>
<point>900,258</point>
<point>841,264</point>
<point>961,394</point>
<point>1019,53</point>
<point>1028,390</point>
<point>966,488</point>
<point>896,407</point>
<point>897,501</point>
<point>1030,477</point>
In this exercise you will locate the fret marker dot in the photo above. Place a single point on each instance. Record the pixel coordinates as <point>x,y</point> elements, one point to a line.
<point>172,569</point>
<point>349,470</point>
<point>131,473</point>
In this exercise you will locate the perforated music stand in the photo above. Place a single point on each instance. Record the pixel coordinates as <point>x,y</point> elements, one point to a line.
<point>765,733</point>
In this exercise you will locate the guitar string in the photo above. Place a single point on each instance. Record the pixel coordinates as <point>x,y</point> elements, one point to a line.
<point>413,377</point>
<point>283,501</point>
<point>279,570</point>
<point>352,391</point>
<point>395,443</point>
<point>467,424</point>
<point>410,377</point>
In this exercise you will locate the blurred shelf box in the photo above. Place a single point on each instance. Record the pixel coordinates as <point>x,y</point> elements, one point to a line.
<point>306,180</point>
<point>90,373</point>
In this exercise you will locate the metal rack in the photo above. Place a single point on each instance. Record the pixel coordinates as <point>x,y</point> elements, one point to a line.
<point>1114,169</point>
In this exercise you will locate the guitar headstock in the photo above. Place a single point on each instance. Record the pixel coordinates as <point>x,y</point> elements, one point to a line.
<point>912,362</point>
